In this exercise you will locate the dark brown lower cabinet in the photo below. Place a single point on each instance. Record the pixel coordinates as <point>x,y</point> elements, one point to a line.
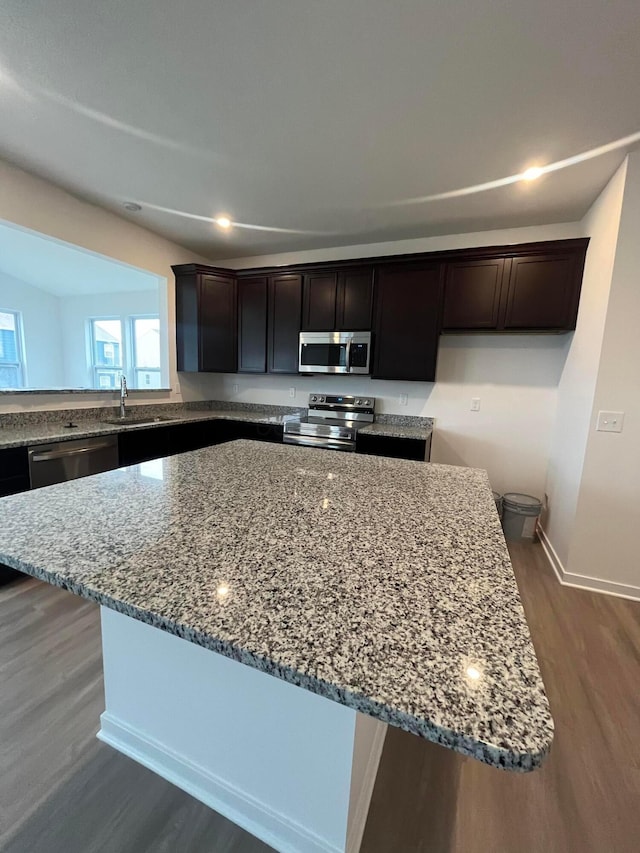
<point>407,320</point>
<point>396,448</point>
<point>14,478</point>
<point>285,313</point>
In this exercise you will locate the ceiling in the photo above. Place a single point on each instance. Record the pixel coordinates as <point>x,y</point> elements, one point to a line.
<point>65,270</point>
<point>317,116</point>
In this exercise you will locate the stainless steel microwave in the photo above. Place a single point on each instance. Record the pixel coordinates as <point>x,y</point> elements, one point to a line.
<point>335,352</point>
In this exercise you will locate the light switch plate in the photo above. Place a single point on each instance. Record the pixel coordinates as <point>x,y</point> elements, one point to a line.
<point>610,421</point>
<point>292,391</point>
<point>404,399</point>
<point>475,404</point>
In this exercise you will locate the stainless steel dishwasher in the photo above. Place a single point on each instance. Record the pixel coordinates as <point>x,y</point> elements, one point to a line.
<point>68,460</point>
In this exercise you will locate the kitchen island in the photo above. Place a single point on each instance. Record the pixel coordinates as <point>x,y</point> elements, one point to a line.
<point>383,587</point>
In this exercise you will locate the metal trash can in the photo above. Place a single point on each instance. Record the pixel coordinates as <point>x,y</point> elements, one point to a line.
<point>520,515</point>
<point>498,499</point>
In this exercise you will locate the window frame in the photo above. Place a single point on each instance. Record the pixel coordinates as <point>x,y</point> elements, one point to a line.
<point>21,364</point>
<point>96,368</point>
<point>128,357</point>
<point>133,367</point>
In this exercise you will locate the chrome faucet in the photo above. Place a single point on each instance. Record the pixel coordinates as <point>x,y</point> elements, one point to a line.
<point>124,392</point>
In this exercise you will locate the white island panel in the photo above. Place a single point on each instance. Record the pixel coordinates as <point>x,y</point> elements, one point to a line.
<point>291,767</point>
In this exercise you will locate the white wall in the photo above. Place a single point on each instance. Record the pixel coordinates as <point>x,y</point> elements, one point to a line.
<point>37,204</point>
<point>42,332</point>
<point>605,535</point>
<point>578,382</point>
<point>515,376</point>
<point>75,312</point>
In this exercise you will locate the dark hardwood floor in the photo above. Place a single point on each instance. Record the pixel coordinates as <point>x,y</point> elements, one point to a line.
<point>62,791</point>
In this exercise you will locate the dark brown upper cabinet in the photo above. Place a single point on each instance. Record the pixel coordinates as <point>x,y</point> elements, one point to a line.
<point>206,319</point>
<point>354,303</point>
<point>252,324</point>
<point>407,318</point>
<point>340,300</point>
<point>472,295</point>
<point>543,293</point>
<point>536,291</point>
<point>319,295</point>
<point>285,311</point>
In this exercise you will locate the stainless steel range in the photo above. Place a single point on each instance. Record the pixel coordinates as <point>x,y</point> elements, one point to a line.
<point>332,422</point>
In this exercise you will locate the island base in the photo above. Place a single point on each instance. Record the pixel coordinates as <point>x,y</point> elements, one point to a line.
<point>291,767</point>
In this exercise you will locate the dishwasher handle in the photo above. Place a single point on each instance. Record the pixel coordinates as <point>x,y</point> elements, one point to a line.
<point>59,454</point>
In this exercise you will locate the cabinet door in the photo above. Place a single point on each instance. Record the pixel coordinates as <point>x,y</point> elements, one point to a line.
<point>252,325</point>
<point>319,292</point>
<point>543,293</point>
<point>472,295</point>
<point>217,323</point>
<point>407,319</point>
<point>355,300</point>
<point>285,306</point>
<point>185,437</point>
<point>141,445</point>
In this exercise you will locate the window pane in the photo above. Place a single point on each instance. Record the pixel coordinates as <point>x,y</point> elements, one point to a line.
<point>146,342</point>
<point>8,338</point>
<point>107,343</point>
<point>147,378</point>
<point>107,378</point>
<point>9,377</point>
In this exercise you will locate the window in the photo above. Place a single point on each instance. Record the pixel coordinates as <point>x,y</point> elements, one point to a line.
<point>145,338</point>
<point>137,354</point>
<point>11,359</point>
<point>106,347</point>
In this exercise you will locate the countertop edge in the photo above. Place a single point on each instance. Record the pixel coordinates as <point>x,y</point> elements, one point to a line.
<point>489,754</point>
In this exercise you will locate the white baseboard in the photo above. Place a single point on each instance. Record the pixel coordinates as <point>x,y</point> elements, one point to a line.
<point>358,822</point>
<point>566,578</point>
<point>275,829</point>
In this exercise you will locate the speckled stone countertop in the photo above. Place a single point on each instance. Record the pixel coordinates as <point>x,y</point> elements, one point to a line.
<point>42,433</point>
<point>27,428</point>
<point>391,430</point>
<point>381,584</point>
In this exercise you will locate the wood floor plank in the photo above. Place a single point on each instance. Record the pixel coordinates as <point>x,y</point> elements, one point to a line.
<point>62,791</point>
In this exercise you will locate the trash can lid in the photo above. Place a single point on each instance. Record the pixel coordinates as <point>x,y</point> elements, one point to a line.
<point>497,496</point>
<point>518,499</point>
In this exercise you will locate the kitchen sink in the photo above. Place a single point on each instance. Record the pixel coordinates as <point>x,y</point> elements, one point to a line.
<point>137,421</point>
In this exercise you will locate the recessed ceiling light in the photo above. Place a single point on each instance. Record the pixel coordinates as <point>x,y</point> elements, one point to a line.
<point>132,206</point>
<point>532,173</point>
<point>223,222</point>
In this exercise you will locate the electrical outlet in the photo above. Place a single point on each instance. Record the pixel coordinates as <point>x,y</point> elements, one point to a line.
<point>404,399</point>
<point>292,392</point>
<point>235,387</point>
<point>475,404</point>
<point>610,421</point>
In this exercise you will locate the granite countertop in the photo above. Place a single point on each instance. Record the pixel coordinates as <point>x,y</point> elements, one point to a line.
<point>28,434</point>
<point>391,430</point>
<point>379,583</point>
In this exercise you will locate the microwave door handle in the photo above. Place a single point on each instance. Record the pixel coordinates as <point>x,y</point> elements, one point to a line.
<point>349,356</point>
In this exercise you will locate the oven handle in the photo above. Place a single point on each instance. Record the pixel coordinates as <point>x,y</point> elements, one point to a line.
<point>316,441</point>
